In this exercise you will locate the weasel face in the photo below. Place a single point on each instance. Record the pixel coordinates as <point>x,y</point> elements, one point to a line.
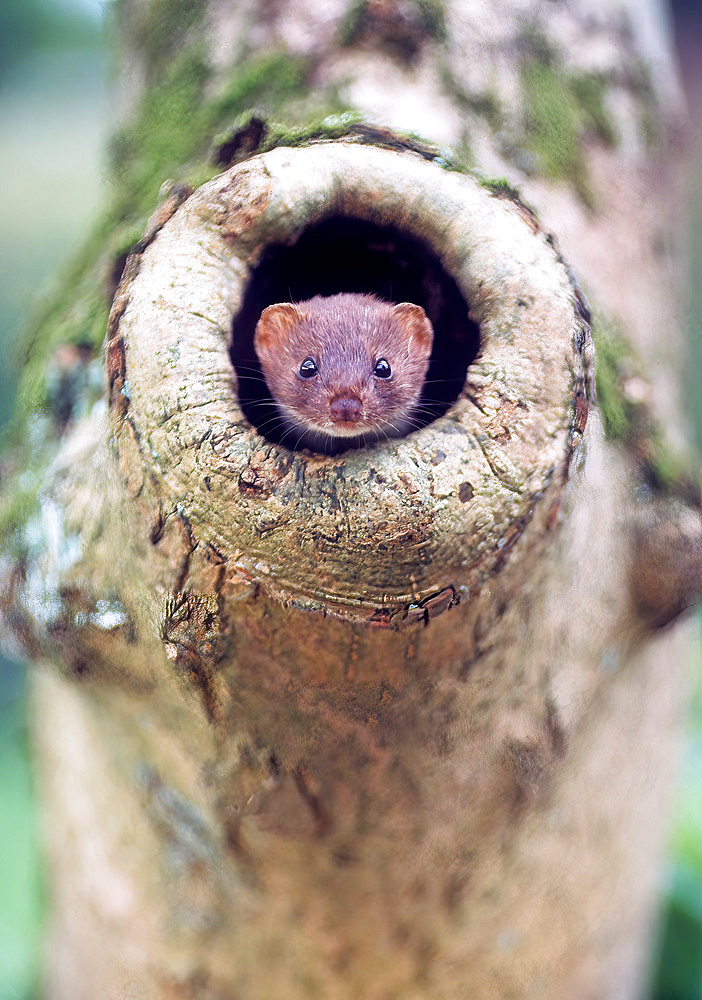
<point>346,366</point>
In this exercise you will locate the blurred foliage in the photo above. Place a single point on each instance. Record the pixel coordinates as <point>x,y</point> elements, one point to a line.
<point>679,967</point>
<point>28,25</point>
<point>52,98</point>
<point>21,902</point>
<point>679,974</point>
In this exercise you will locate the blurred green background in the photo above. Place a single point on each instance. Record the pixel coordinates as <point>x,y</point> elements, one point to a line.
<point>55,116</point>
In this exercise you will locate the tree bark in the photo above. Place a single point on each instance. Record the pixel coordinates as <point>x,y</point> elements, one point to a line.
<point>401,722</point>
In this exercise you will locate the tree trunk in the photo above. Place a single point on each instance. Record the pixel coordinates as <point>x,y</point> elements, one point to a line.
<point>400,722</point>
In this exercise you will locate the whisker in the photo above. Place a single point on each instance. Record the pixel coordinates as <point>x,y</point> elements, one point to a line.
<point>272,424</point>
<point>269,406</point>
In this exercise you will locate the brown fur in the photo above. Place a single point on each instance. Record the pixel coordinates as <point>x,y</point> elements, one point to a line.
<point>345,403</point>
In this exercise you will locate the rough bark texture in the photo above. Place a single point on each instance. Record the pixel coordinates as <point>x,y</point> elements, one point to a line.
<point>400,723</point>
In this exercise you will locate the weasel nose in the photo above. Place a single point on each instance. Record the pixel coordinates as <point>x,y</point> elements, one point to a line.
<point>345,409</point>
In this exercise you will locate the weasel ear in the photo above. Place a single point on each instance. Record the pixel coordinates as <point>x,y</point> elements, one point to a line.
<point>416,325</point>
<point>274,326</point>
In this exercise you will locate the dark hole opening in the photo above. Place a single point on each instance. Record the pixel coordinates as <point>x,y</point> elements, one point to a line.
<point>351,255</point>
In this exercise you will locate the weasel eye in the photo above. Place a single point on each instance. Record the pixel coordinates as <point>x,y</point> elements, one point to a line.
<point>382,368</point>
<point>308,368</point>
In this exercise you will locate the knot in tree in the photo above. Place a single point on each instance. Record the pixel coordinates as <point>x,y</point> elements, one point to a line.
<point>389,534</point>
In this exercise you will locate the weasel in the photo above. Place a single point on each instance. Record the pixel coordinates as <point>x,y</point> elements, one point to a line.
<point>344,370</point>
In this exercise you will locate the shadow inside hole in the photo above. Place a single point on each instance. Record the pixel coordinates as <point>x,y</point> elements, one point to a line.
<point>351,255</point>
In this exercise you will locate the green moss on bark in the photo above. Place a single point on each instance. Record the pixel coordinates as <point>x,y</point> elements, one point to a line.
<point>562,110</point>
<point>400,32</point>
<point>615,362</point>
<point>172,132</point>
<point>551,125</point>
<point>169,136</point>
<point>485,104</point>
<point>499,186</point>
<point>622,395</point>
<point>159,30</point>
<point>589,92</point>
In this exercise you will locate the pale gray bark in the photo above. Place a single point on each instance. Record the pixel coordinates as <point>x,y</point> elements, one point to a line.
<point>252,789</point>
